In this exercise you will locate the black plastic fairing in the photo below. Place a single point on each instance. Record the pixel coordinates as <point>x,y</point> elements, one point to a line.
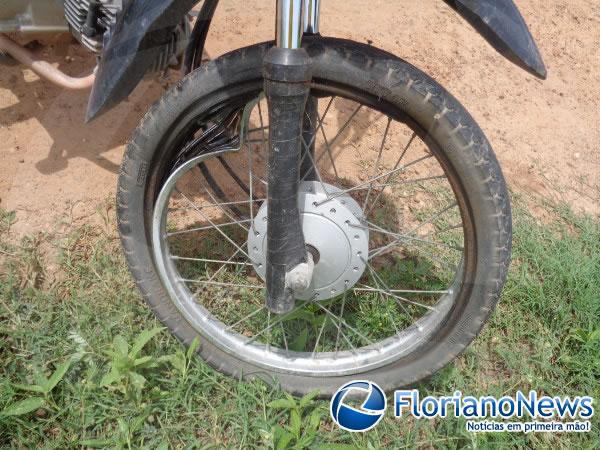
<point>501,24</point>
<point>142,31</point>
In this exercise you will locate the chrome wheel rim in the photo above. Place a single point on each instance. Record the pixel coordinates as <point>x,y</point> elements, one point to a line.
<point>354,352</point>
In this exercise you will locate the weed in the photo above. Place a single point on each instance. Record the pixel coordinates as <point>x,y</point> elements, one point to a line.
<point>304,419</point>
<point>126,364</point>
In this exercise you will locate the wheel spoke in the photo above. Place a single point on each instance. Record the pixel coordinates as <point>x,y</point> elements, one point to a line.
<point>319,337</point>
<point>366,183</point>
<point>434,258</point>
<point>210,221</point>
<point>434,217</point>
<point>395,243</point>
<point>385,134</point>
<point>279,320</point>
<point>410,141</point>
<point>450,228</point>
<point>268,323</point>
<point>344,323</point>
<point>365,288</point>
<point>217,283</point>
<point>217,205</point>
<point>398,298</point>
<point>364,186</point>
<point>214,261</point>
<point>376,279</point>
<point>348,341</point>
<point>337,338</point>
<point>227,213</point>
<point>285,343</point>
<point>329,152</point>
<point>251,187</point>
<point>389,293</point>
<point>208,227</point>
<point>249,316</point>
<point>264,140</point>
<point>342,129</point>
<point>317,172</point>
<point>312,140</point>
<point>379,282</point>
<point>223,266</point>
<point>377,229</point>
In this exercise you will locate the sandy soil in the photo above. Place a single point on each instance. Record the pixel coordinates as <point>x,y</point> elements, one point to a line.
<point>55,170</point>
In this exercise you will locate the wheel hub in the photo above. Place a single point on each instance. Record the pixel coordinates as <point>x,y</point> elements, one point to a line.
<point>331,230</point>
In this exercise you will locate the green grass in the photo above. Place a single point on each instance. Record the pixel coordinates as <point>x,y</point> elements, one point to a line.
<point>79,348</point>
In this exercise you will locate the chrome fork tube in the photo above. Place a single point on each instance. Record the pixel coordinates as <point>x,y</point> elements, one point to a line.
<point>295,17</point>
<point>289,24</point>
<point>311,16</point>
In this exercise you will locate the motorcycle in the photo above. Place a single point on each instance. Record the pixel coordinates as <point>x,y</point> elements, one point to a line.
<point>313,209</point>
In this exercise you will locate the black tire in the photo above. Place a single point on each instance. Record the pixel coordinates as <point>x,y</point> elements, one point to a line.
<point>376,75</point>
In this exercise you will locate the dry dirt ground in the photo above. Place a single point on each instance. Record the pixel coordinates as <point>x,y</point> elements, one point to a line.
<point>55,170</point>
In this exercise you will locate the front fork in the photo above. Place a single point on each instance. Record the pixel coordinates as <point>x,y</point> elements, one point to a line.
<point>287,73</point>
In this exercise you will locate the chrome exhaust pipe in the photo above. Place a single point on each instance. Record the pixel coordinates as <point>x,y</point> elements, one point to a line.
<point>43,68</point>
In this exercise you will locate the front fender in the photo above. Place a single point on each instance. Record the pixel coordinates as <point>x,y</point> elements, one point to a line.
<point>501,24</point>
<point>140,34</point>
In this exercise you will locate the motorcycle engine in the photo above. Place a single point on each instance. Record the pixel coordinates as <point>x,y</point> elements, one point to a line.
<point>92,22</point>
<point>91,33</point>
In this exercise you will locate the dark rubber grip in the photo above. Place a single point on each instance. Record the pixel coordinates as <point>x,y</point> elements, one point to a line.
<point>287,85</point>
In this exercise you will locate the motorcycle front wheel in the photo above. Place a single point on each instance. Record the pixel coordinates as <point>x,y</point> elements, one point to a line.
<point>403,206</point>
